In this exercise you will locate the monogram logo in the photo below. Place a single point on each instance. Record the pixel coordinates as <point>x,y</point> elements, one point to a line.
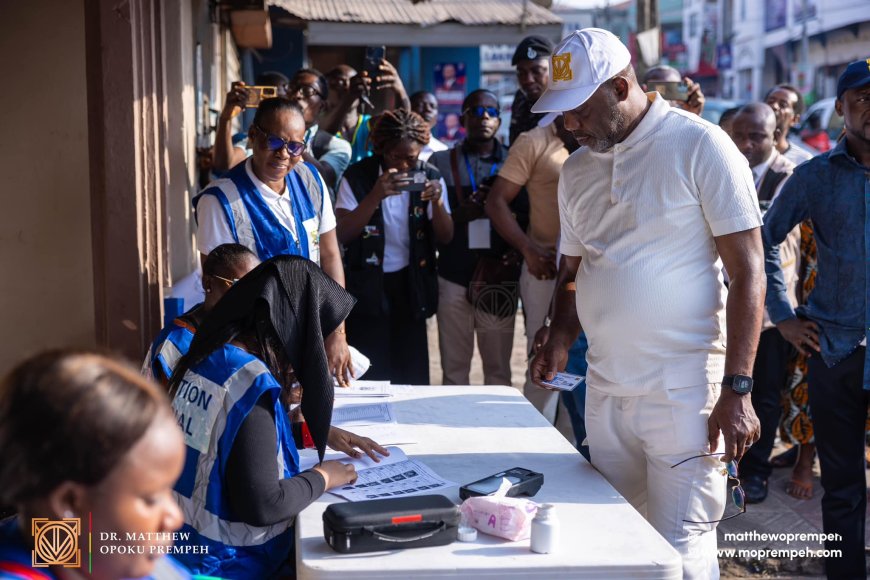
<point>868,63</point>
<point>562,67</point>
<point>56,542</point>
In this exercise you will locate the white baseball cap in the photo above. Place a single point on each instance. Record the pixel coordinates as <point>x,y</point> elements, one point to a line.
<point>581,63</point>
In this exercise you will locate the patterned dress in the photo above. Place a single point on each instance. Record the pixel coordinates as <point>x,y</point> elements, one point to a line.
<point>796,426</point>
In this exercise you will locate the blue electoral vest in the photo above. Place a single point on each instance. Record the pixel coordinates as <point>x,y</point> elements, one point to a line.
<point>255,226</point>
<point>210,405</point>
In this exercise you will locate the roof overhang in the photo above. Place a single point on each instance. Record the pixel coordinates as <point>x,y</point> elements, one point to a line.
<point>430,23</point>
<point>447,34</point>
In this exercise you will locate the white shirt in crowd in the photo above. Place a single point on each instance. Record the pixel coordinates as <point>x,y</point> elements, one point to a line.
<point>643,216</point>
<point>433,146</point>
<point>214,230</point>
<point>395,208</point>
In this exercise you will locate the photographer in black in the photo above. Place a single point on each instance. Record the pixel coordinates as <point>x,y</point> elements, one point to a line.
<point>391,213</point>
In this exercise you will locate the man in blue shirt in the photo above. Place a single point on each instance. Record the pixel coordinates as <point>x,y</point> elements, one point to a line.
<point>833,191</point>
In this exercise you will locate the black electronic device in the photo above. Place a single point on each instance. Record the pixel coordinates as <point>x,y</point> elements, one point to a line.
<point>412,181</point>
<point>374,56</point>
<point>523,482</point>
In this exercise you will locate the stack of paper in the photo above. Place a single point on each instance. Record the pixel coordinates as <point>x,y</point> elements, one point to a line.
<point>394,476</point>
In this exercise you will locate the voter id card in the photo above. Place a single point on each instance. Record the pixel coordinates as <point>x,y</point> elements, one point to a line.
<point>564,382</point>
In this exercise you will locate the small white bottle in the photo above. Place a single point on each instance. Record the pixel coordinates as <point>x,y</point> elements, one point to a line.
<point>545,530</point>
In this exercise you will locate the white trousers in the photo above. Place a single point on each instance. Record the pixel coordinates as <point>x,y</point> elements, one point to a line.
<point>634,441</point>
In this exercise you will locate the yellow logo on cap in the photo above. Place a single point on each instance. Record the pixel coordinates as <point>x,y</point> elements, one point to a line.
<point>868,63</point>
<point>56,542</point>
<point>562,67</point>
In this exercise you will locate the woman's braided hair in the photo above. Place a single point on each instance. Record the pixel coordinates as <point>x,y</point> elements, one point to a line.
<point>391,127</point>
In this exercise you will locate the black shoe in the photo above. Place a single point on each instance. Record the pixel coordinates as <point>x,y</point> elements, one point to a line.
<point>754,487</point>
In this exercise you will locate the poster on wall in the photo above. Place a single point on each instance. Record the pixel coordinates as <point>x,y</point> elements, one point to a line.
<point>804,9</point>
<point>450,83</point>
<point>774,14</point>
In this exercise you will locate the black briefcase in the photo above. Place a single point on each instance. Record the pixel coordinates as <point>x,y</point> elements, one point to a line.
<point>390,524</point>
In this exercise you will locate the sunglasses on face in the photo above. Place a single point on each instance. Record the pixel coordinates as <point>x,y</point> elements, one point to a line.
<point>737,494</point>
<point>493,112</point>
<point>275,143</point>
<point>227,281</point>
<point>307,91</point>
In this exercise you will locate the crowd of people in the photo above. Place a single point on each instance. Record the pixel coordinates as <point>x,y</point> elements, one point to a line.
<point>635,235</point>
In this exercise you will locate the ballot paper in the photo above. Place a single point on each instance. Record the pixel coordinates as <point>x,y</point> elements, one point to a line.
<point>396,475</point>
<point>365,414</point>
<point>384,434</point>
<point>365,389</point>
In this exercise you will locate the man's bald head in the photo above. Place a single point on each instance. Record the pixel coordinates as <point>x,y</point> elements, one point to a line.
<point>662,74</point>
<point>762,113</point>
<point>754,131</point>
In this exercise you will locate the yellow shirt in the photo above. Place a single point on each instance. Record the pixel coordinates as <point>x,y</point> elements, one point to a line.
<point>535,161</point>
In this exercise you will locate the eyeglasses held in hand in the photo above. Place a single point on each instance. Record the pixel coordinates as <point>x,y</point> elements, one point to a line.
<point>737,494</point>
<point>493,112</point>
<point>275,143</point>
<point>227,281</point>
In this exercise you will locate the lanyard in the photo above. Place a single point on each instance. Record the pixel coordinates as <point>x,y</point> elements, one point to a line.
<point>359,120</point>
<point>492,171</point>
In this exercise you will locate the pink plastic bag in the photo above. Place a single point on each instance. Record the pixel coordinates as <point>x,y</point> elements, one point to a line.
<point>505,517</point>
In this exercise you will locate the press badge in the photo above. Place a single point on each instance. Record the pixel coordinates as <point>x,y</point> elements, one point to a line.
<point>479,234</point>
<point>312,228</point>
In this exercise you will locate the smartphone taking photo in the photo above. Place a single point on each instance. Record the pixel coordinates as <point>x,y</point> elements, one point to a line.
<point>412,181</point>
<point>374,56</point>
<point>259,93</point>
<point>670,90</point>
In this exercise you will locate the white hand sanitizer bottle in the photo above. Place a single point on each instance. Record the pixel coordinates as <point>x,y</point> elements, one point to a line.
<point>545,530</point>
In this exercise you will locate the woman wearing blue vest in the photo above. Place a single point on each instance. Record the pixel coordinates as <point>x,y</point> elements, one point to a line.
<point>389,228</point>
<point>276,204</point>
<point>86,439</point>
<point>227,395</point>
<point>223,267</point>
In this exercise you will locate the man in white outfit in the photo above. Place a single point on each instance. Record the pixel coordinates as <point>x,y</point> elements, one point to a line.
<point>651,205</point>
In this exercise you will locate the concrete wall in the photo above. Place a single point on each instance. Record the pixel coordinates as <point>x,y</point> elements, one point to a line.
<point>46,273</point>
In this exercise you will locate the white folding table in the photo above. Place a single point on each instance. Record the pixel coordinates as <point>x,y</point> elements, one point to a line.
<point>465,433</point>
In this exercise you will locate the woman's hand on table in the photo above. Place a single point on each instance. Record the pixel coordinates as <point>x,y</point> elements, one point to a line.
<point>336,473</point>
<point>338,357</point>
<point>349,443</point>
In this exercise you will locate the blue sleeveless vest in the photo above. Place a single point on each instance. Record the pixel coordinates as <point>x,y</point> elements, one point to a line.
<point>210,405</point>
<point>255,226</point>
<point>171,344</point>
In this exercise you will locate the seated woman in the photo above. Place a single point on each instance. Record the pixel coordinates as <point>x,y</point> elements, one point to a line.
<point>221,269</point>
<point>265,333</point>
<point>389,226</point>
<point>85,436</point>
<point>275,203</point>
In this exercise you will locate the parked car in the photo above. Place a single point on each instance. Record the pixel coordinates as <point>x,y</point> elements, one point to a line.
<point>820,116</point>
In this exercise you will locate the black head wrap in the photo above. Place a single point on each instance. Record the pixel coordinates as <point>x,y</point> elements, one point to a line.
<point>291,300</point>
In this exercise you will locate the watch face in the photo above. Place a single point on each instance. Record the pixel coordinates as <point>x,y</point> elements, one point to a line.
<point>742,384</point>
